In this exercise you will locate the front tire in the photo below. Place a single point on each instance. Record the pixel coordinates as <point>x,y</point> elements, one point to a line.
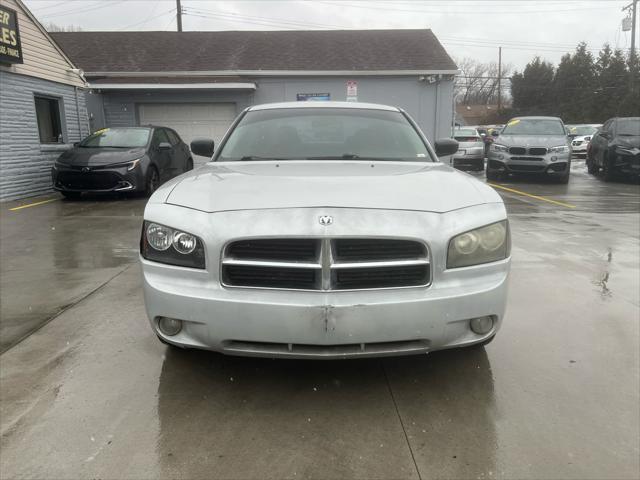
<point>153,181</point>
<point>491,175</point>
<point>608,172</point>
<point>592,168</point>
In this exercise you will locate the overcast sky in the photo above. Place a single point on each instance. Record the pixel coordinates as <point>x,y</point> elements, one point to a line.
<point>467,28</point>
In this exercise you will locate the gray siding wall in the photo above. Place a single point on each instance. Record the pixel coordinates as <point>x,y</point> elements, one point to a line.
<point>418,98</point>
<point>25,164</point>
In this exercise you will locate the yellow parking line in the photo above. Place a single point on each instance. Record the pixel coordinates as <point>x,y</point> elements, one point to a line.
<point>33,204</point>
<point>544,199</point>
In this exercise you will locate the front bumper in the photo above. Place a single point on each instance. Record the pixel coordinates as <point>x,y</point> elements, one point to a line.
<point>552,164</point>
<point>628,163</point>
<point>336,324</point>
<point>97,179</point>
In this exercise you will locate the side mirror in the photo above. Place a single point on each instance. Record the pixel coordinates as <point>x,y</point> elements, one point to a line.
<point>496,134</point>
<point>164,146</point>
<point>446,146</point>
<point>202,147</point>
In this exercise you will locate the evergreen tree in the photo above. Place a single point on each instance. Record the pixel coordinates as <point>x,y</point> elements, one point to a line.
<point>531,88</point>
<point>573,86</point>
<point>612,85</point>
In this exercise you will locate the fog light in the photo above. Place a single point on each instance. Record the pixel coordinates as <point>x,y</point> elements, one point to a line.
<point>553,159</point>
<point>169,326</point>
<point>481,325</point>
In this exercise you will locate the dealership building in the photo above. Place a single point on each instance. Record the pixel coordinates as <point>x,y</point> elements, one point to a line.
<point>67,84</point>
<point>42,103</point>
<point>197,82</point>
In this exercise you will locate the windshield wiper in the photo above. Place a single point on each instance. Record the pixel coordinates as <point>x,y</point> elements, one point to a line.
<point>350,156</point>
<point>250,158</point>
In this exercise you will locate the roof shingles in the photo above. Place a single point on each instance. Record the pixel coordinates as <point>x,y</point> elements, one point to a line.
<point>233,51</point>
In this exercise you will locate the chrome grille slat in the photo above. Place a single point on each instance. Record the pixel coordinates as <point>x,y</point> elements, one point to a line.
<point>337,264</point>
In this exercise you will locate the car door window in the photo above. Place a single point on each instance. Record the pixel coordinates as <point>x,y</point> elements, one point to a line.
<point>160,136</point>
<point>173,137</point>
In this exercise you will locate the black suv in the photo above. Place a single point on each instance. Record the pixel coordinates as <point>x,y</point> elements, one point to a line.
<point>615,148</point>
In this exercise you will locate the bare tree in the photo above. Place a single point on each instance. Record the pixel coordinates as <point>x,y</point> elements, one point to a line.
<point>478,82</point>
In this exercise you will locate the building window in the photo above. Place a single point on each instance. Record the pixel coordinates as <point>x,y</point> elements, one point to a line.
<point>49,121</point>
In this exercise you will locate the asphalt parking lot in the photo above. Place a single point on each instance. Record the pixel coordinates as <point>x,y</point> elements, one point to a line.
<point>87,391</point>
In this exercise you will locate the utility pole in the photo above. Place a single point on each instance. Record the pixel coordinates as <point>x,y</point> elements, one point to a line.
<point>499,79</point>
<point>632,54</point>
<point>179,15</point>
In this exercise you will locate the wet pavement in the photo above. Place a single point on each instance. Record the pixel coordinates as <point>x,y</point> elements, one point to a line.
<point>87,391</point>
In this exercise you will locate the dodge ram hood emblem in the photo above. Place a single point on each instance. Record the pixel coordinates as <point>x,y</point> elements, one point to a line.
<point>325,220</point>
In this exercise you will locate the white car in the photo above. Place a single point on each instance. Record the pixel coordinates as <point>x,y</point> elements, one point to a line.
<point>580,136</point>
<point>325,230</point>
<point>470,154</point>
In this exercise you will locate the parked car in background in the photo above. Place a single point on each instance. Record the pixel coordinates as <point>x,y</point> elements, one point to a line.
<point>580,136</point>
<point>615,148</point>
<point>531,145</point>
<point>133,159</point>
<point>470,154</point>
<point>325,230</point>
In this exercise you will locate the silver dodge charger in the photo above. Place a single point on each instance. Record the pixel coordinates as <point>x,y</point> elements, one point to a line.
<point>325,230</point>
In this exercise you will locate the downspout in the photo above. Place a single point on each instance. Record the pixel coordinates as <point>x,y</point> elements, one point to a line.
<point>78,115</point>
<point>436,111</point>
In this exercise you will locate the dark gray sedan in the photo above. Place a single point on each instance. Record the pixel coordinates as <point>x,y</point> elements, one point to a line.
<point>135,159</point>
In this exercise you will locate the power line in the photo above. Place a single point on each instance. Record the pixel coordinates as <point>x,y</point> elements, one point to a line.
<point>148,19</point>
<point>89,9</point>
<point>263,19</point>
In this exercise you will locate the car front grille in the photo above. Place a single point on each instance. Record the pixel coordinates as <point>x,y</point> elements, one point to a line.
<point>530,151</point>
<point>88,180</point>
<point>325,264</point>
<point>528,159</point>
<point>537,151</point>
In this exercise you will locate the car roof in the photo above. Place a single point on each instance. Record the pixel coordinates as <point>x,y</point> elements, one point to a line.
<point>322,104</point>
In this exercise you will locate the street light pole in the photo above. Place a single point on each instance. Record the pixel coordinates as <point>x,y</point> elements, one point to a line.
<point>632,54</point>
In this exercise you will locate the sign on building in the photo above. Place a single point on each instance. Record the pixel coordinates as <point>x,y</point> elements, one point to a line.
<point>313,97</point>
<point>352,91</point>
<point>10,47</point>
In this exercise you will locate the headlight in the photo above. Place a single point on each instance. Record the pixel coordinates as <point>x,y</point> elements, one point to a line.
<point>559,149</point>
<point>134,164</point>
<point>587,139</point>
<point>59,164</point>
<point>496,147</point>
<point>482,245</point>
<point>163,244</point>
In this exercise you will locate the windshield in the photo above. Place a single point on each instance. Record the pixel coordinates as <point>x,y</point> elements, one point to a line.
<point>582,130</point>
<point>117,137</point>
<point>324,134</point>
<point>628,127</point>
<point>533,126</point>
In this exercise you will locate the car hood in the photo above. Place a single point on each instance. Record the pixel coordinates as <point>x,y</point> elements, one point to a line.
<point>228,186</point>
<point>532,140</point>
<point>99,156</point>
<point>628,141</point>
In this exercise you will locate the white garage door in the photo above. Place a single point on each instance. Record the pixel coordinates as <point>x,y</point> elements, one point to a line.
<point>191,120</point>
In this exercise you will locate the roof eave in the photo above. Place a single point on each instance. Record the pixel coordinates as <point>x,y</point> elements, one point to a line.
<point>276,73</point>
<point>174,86</point>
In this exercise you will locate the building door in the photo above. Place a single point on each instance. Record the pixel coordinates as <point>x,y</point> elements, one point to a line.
<point>190,120</point>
